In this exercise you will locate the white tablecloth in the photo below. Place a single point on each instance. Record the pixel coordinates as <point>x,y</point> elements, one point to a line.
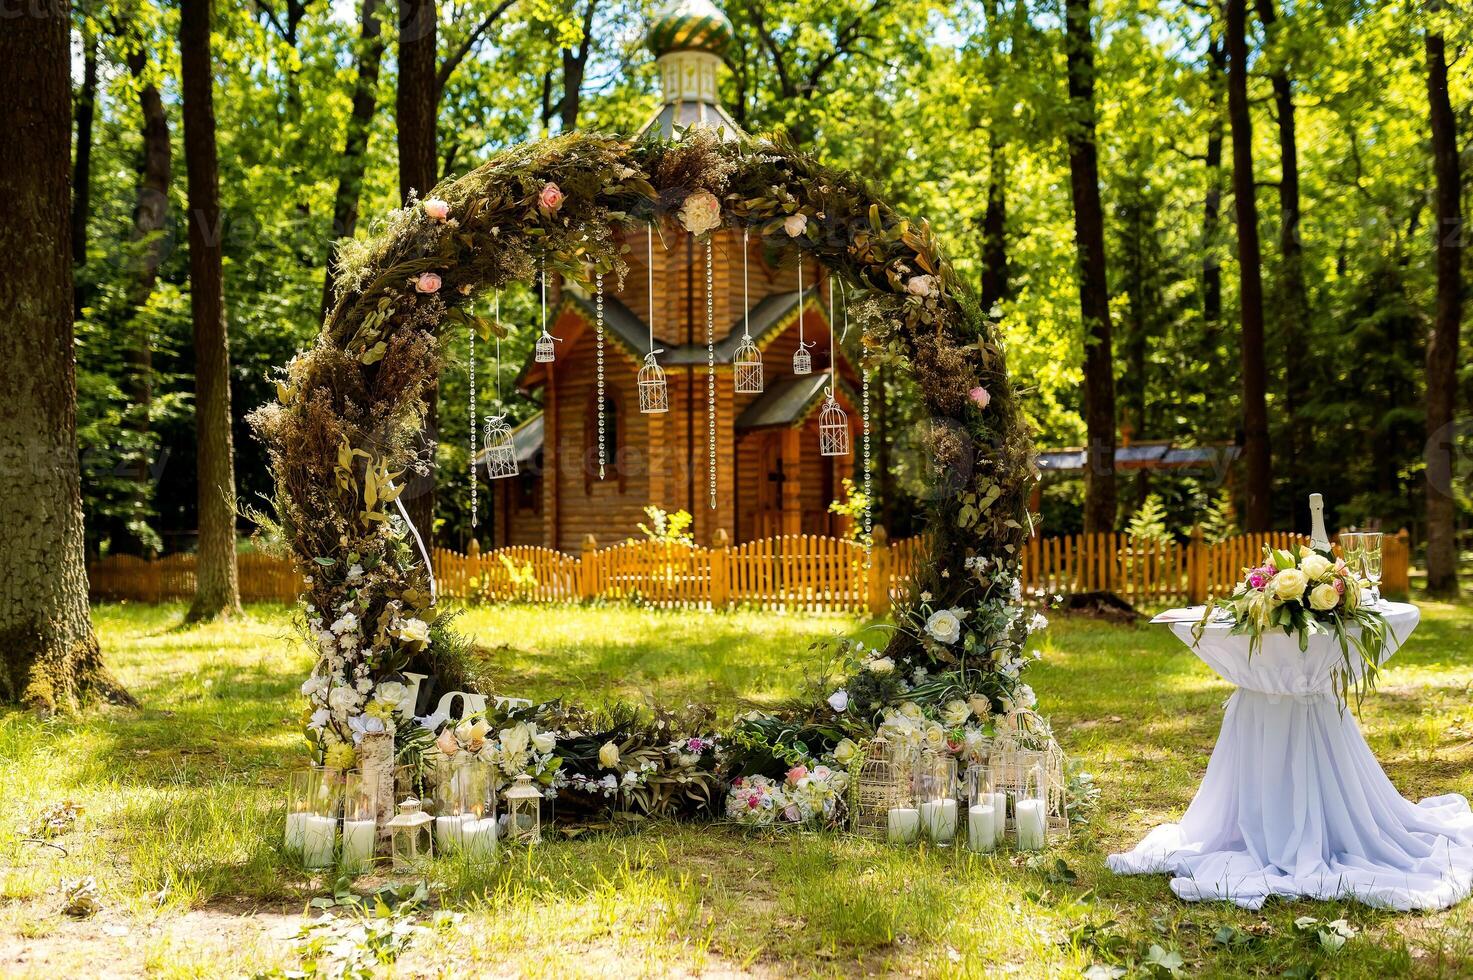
<point>1294,804</point>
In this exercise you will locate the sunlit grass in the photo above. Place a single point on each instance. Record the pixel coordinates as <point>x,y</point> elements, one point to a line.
<point>183,823</point>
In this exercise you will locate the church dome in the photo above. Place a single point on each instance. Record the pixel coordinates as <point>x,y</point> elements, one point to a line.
<point>690,25</point>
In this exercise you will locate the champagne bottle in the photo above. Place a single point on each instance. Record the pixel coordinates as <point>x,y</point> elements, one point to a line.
<point>1319,538</point>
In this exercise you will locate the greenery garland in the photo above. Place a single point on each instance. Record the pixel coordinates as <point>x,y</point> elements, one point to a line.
<point>347,424</point>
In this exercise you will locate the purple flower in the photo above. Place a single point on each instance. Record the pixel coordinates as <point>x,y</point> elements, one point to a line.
<point>695,745</point>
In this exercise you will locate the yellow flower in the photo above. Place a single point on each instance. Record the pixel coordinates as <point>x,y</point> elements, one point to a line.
<point>340,756</point>
<point>1315,566</point>
<point>1290,584</point>
<point>1324,597</point>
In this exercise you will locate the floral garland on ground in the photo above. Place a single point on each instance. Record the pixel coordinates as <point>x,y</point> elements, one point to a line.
<point>346,428</point>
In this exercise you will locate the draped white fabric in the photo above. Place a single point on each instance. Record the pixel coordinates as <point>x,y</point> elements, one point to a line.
<point>1294,804</point>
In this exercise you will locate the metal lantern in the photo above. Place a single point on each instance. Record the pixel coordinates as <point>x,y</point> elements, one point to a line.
<point>411,840</point>
<point>544,351</point>
<point>882,784</point>
<point>653,395</point>
<point>802,360</point>
<point>524,811</point>
<point>833,428</point>
<point>748,364</point>
<point>501,450</point>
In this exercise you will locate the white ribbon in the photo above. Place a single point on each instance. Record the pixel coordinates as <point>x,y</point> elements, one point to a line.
<point>424,552</point>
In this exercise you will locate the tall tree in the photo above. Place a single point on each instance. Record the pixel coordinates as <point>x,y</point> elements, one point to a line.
<point>217,590</point>
<point>1442,347</point>
<point>49,657</point>
<point>86,110</point>
<point>1212,200</point>
<point>1259,513</point>
<point>1292,300</point>
<point>1094,293</point>
<point>355,145</point>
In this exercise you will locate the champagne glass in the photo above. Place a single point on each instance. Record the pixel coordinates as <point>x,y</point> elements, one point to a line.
<point>1371,561</point>
<point>1351,549</point>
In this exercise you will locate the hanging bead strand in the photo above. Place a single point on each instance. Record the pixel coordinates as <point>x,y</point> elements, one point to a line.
<point>603,450</point>
<point>711,373</point>
<point>474,424</point>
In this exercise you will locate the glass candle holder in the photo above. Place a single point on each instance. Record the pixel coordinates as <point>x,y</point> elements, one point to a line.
<point>903,812</point>
<point>986,810</point>
<point>314,800</point>
<point>465,809</point>
<point>360,821</point>
<point>1030,812</point>
<point>936,794</point>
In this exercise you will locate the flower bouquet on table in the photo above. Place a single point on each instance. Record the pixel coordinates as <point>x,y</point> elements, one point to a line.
<point>1304,592</point>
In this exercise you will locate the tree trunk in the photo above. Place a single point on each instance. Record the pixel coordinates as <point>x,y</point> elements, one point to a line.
<point>217,591</point>
<point>1442,347</point>
<point>1259,512</point>
<point>355,147</point>
<point>86,110</point>
<point>49,656</point>
<point>1094,295</point>
<point>1293,296</point>
<point>149,215</point>
<point>416,105</point>
<point>1212,202</point>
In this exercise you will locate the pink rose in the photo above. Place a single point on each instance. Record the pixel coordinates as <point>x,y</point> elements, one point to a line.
<point>428,282</point>
<point>447,743</point>
<point>792,814</point>
<point>551,197</point>
<point>921,285</point>
<point>436,208</point>
<point>753,802</point>
<point>981,396</point>
<point>796,773</point>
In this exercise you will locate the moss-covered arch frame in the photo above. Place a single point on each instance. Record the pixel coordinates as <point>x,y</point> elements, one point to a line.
<point>347,423</point>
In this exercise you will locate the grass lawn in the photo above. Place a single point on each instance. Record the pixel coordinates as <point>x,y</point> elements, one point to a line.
<point>182,820</point>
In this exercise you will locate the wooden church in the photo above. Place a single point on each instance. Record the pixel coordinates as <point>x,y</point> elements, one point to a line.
<point>770,477</point>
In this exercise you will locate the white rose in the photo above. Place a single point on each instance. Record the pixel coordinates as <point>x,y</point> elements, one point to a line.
<point>515,740</point>
<point>543,741</point>
<point>839,700</point>
<point>701,213</point>
<point>1315,566</point>
<point>1324,597</point>
<point>608,755</point>
<point>343,699</point>
<point>795,224</point>
<point>845,751</point>
<point>981,707</point>
<point>415,631</point>
<point>1290,584</point>
<point>944,626</point>
<point>956,713</point>
<point>881,665</point>
<point>921,285</point>
<point>911,711</point>
<point>935,737</point>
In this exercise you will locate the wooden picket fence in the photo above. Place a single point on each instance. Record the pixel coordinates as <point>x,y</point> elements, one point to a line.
<point>812,573</point>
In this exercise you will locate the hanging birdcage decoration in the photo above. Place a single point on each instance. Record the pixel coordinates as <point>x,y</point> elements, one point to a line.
<point>654,397</point>
<point>748,365</point>
<point>500,448</point>
<point>802,360</point>
<point>883,784</point>
<point>833,427</point>
<point>545,353</point>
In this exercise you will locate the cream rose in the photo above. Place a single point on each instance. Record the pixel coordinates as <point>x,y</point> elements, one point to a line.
<point>945,626</point>
<point>845,751</point>
<point>880,665</point>
<point>935,737</point>
<point>1315,566</point>
<point>981,707</point>
<point>415,631</point>
<point>608,755</point>
<point>1324,597</point>
<point>701,213</point>
<point>921,285</point>
<point>1290,584</point>
<point>956,713</point>
<point>795,224</point>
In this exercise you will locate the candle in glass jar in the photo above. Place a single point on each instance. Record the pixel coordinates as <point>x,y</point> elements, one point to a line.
<point>449,832</point>
<point>981,827</point>
<point>939,819</point>
<point>904,824</point>
<point>999,804</point>
<point>313,835</point>
<point>1032,824</point>
<point>358,841</point>
<point>478,836</point>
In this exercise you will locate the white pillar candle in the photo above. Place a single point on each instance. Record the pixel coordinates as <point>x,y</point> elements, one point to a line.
<point>319,833</point>
<point>1032,824</point>
<point>999,804</point>
<point>479,837</point>
<point>449,833</point>
<point>981,827</point>
<point>296,830</point>
<point>904,823</point>
<point>358,841</point>
<point>938,817</point>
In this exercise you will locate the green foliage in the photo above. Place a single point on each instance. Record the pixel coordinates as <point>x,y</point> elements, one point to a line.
<point>666,527</point>
<point>1148,523</point>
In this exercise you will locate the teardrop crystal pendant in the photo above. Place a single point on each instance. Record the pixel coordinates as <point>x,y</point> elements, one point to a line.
<point>833,427</point>
<point>653,395</point>
<point>500,448</point>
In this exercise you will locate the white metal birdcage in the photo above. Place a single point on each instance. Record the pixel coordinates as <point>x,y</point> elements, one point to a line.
<point>654,397</point>
<point>802,360</point>
<point>545,353</point>
<point>748,368</point>
<point>833,428</point>
<point>883,783</point>
<point>501,450</point>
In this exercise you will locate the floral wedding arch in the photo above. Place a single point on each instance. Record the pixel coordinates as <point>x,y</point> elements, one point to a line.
<point>348,423</point>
